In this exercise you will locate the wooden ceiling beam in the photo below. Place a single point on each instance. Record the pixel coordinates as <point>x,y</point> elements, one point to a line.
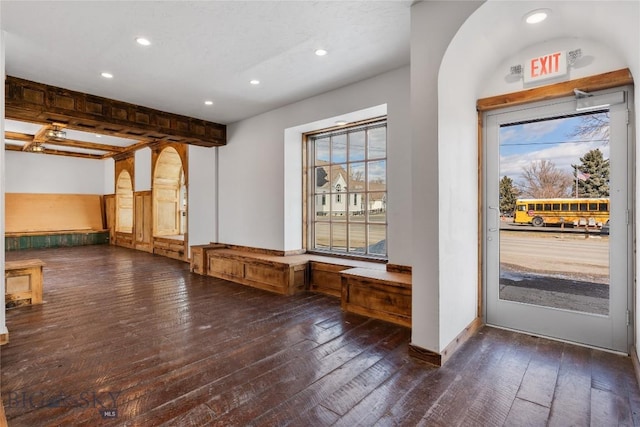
<point>17,136</point>
<point>39,103</point>
<point>57,152</point>
<point>86,145</point>
<point>25,137</point>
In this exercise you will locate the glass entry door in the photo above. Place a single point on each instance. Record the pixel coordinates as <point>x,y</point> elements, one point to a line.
<point>557,219</point>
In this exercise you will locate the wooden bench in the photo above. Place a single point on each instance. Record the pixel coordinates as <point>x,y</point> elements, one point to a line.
<point>170,247</point>
<point>325,272</point>
<point>199,262</point>
<point>23,282</point>
<point>365,287</point>
<point>15,241</point>
<point>379,294</point>
<point>285,275</point>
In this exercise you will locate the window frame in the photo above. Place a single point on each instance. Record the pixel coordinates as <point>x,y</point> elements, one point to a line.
<point>310,196</point>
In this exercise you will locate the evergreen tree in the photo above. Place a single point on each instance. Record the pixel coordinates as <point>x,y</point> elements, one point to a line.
<point>592,175</point>
<point>508,195</point>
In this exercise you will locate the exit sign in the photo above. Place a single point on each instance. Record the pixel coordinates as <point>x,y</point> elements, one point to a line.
<point>545,67</point>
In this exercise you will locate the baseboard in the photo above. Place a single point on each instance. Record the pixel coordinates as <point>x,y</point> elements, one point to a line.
<point>636,363</point>
<point>4,338</point>
<point>441,358</point>
<point>425,355</point>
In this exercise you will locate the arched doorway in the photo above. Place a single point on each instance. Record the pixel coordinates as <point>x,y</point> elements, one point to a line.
<point>124,209</point>
<point>124,203</point>
<point>170,202</point>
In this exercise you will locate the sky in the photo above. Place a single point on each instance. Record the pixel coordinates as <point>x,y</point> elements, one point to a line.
<point>522,144</point>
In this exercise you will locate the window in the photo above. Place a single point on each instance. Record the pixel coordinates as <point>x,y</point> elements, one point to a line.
<point>349,164</point>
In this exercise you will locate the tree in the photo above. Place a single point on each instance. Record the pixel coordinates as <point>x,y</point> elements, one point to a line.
<point>592,176</point>
<point>593,126</point>
<point>542,180</point>
<point>508,195</point>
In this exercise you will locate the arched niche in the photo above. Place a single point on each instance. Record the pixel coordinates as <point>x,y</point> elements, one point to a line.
<point>124,203</point>
<point>169,192</point>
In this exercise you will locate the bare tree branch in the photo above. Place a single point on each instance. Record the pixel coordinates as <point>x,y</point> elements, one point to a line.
<point>541,180</point>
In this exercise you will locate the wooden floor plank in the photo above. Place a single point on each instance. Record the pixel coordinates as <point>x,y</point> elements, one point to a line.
<point>539,382</point>
<point>571,403</point>
<point>129,338</point>
<point>525,413</point>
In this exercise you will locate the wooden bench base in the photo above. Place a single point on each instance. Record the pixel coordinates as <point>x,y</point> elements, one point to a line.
<point>170,248</point>
<point>23,282</point>
<point>44,239</point>
<point>379,294</point>
<point>365,288</point>
<point>284,275</point>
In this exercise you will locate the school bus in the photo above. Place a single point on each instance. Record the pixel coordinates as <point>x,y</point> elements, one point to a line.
<point>578,212</point>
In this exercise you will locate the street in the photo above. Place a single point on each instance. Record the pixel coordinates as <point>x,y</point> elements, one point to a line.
<point>568,271</point>
<point>579,256</point>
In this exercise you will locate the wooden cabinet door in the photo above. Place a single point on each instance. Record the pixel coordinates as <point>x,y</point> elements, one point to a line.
<point>143,221</point>
<point>110,214</point>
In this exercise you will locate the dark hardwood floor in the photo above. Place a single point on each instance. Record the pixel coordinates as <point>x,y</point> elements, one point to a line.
<point>128,338</point>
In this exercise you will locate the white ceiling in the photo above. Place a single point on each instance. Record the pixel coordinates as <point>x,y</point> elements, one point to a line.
<point>205,50</point>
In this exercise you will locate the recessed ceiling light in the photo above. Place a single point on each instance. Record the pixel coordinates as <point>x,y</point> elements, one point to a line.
<point>107,75</point>
<point>143,41</point>
<point>341,123</point>
<point>537,16</point>
<point>255,82</point>
<point>321,52</point>
<point>208,102</point>
<point>98,135</point>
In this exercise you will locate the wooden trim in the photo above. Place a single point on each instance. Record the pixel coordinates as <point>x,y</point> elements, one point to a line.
<point>398,268</point>
<point>441,358</point>
<point>261,251</point>
<point>346,126</point>
<point>481,235</point>
<point>351,257</point>
<point>253,250</point>
<point>636,363</point>
<point>425,355</point>
<point>40,103</point>
<point>599,82</point>
<point>53,233</point>
<point>305,191</point>
<point>4,338</point>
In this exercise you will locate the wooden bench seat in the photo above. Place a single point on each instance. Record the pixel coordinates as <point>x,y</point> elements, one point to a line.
<point>23,282</point>
<point>325,272</point>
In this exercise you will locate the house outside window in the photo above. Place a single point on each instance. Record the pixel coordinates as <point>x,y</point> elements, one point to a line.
<point>348,164</point>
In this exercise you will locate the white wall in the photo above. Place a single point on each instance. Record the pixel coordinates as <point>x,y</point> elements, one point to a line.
<point>142,170</point>
<point>260,179</point>
<point>201,199</point>
<point>109,167</point>
<point>37,173</point>
<point>444,172</point>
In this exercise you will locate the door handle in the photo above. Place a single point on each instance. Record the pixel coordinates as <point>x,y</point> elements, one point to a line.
<point>495,218</point>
